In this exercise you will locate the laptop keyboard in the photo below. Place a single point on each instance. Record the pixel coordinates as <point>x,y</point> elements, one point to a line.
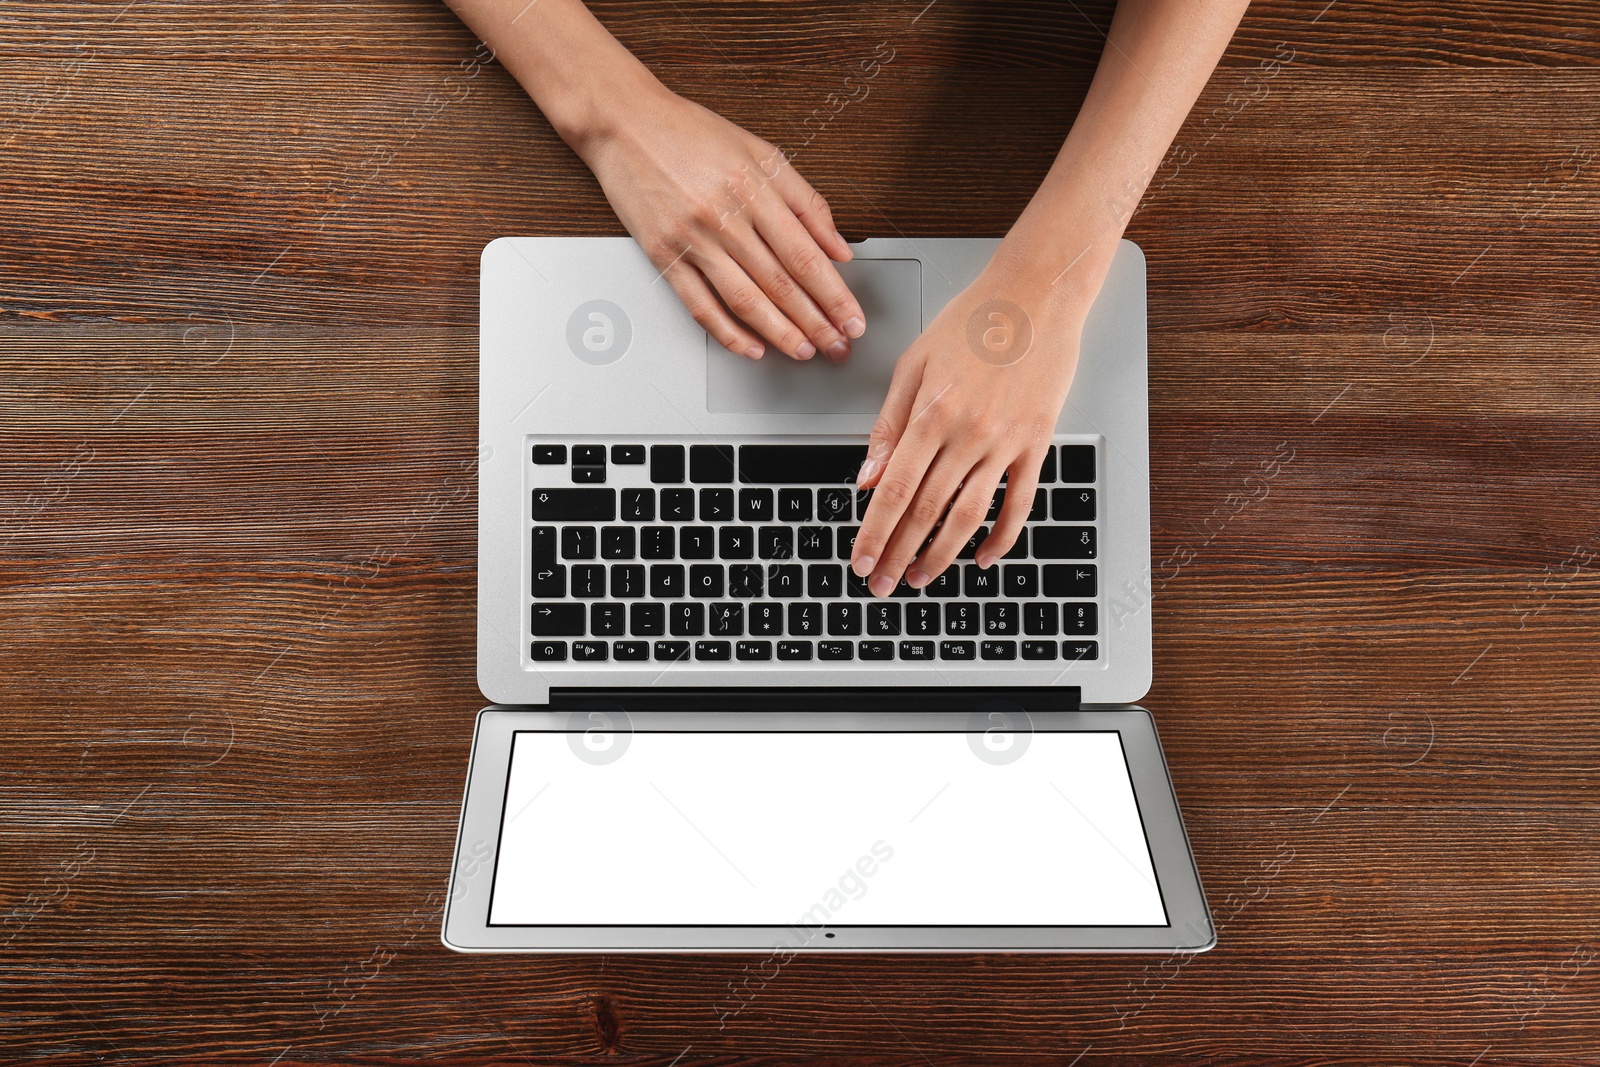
<point>740,553</point>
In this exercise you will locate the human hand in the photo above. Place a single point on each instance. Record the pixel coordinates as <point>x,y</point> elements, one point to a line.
<point>720,211</point>
<point>975,396</point>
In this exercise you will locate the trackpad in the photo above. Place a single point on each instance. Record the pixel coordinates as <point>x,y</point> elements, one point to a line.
<point>890,293</point>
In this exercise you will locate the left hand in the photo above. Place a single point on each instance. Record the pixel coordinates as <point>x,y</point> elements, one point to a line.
<point>975,396</point>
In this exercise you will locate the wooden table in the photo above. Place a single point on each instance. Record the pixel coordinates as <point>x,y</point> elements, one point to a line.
<point>238,303</point>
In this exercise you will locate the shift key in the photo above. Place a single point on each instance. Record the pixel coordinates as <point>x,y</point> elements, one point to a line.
<point>1064,542</point>
<point>575,505</point>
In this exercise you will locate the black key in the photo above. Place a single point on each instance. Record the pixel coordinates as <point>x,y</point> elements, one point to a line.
<point>716,505</point>
<point>575,505</point>
<point>638,505</point>
<point>961,619</point>
<point>632,455</point>
<point>647,620</point>
<point>997,649</point>
<point>753,649</point>
<point>588,455</point>
<point>557,620</point>
<point>712,650</point>
<point>1047,469</point>
<point>744,580</point>
<point>916,650</point>
<point>766,619</point>
<point>824,580</point>
<point>1038,650</point>
<point>883,618</point>
<point>550,582</point>
<point>1000,618</point>
<point>779,464</point>
<point>548,650</point>
<point>578,542</point>
<point>589,580</point>
<point>956,650</point>
<point>1063,542</point>
<point>697,542</point>
<point>589,650</point>
<point>1071,650</point>
<point>686,618</point>
<point>901,589</point>
<point>794,505</point>
<point>711,463</point>
<point>1019,547</point>
<point>1072,505</point>
<point>775,542</point>
<point>588,474</point>
<point>736,542</point>
<point>836,649</point>
<point>805,620</point>
<point>980,582</point>
<point>617,542</point>
<point>816,542</point>
<point>1021,580</point>
<point>608,620</point>
<point>666,580</point>
<point>922,619</point>
<point>847,540</point>
<point>630,650</point>
<point>658,542</point>
<point>833,505</point>
<point>1041,617</point>
<point>727,620</point>
<point>1041,506</point>
<point>671,650</point>
<point>677,505</point>
<point>1077,463</point>
<point>549,453</point>
<point>996,504</point>
<point>783,580</point>
<point>969,550</point>
<point>666,463</point>
<point>544,546</point>
<point>1082,620</point>
<point>1065,581</point>
<point>855,585</point>
<point>755,505</point>
<point>844,619</point>
<point>863,498</point>
<point>794,649</point>
<point>705,580</point>
<point>876,649</point>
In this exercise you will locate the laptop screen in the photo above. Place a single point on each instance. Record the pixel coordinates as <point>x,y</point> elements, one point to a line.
<point>817,830</point>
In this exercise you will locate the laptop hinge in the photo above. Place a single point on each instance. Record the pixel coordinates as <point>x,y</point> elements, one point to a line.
<point>815,698</point>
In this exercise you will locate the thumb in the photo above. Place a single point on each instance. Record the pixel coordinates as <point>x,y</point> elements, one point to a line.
<point>892,420</point>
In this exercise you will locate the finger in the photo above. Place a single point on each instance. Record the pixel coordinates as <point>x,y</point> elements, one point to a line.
<point>937,488</point>
<point>888,499</point>
<point>752,253</point>
<point>893,418</point>
<point>808,265</point>
<point>747,300</point>
<point>707,310</point>
<point>1021,480</point>
<point>811,208</point>
<point>966,514</point>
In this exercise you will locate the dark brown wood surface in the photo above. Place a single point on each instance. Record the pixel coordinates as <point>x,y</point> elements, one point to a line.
<point>238,255</point>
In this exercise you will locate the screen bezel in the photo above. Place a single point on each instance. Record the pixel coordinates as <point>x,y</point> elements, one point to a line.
<point>466,927</point>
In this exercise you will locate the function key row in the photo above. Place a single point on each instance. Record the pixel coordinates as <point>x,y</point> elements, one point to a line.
<point>687,618</point>
<point>762,651</point>
<point>770,464</point>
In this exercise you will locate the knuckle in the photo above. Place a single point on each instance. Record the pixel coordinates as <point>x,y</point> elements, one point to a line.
<point>894,490</point>
<point>744,299</point>
<point>780,284</point>
<point>806,263</point>
<point>705,215</point>
<point>967,514</point>
<point>926,511</point>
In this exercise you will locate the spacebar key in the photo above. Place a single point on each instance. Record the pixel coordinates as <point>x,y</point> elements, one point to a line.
<point>799,464</point>
<point>575,505</point>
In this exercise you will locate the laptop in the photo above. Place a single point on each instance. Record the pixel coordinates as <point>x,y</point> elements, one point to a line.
<point>706,734</point>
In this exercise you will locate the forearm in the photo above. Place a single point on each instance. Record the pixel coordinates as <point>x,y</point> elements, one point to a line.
<point>1158,57</point>
<point>580,76</point>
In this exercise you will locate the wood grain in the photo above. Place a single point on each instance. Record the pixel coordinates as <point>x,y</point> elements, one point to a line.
<point>238,366</point>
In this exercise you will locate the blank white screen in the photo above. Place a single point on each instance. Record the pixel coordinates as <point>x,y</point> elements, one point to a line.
<point>846,829</point>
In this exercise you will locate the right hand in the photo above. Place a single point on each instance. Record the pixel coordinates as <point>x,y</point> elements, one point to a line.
<point>720,211</point>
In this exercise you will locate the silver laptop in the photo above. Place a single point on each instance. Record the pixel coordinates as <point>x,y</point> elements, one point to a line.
<point>707,735</point>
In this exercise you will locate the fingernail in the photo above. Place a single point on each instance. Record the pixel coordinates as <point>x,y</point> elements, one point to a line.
<point>806,350</point>
<point>869,467</point>
<point>917,579</point>
<point>863,566</point>
<point>838,350</point>
<point>879,449</point>
<point>754,351</point>
<point>853,326</point>
<point>985,562</point>
<point>881,585</point>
